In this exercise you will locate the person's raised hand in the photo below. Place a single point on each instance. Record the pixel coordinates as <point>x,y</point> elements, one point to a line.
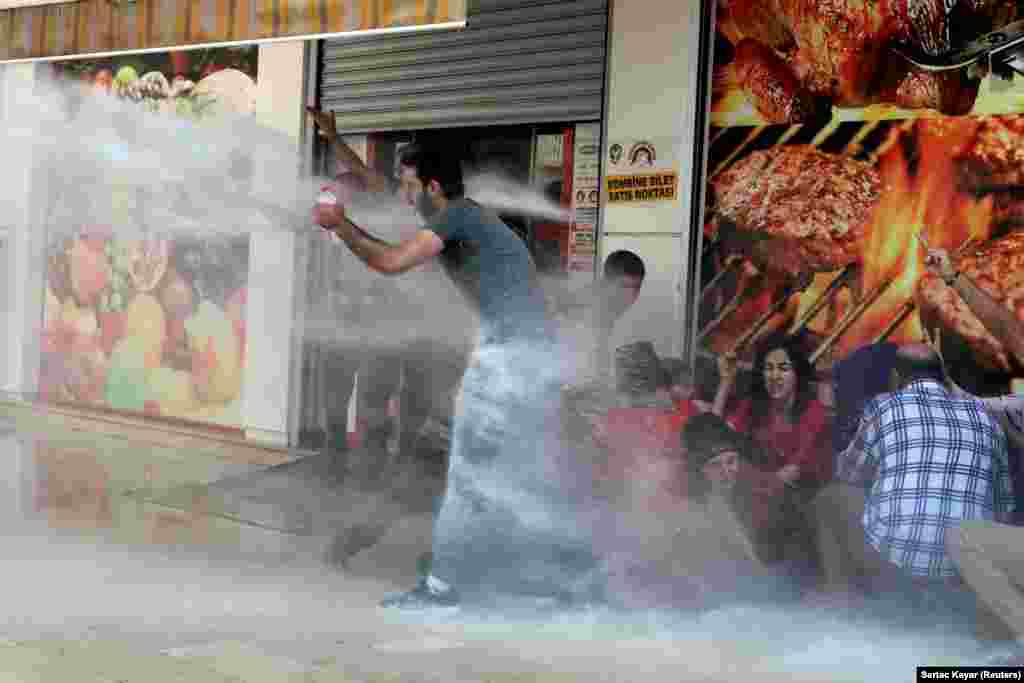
<point>789,474</point>
<point>938,263</point>
<point>324,122</point>
<point>728,368</point>
<point>329,216</point>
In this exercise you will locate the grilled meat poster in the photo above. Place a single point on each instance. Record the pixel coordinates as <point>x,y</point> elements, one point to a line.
<point>793,61</point>
<point>134,320</point>
<point>818,227</point>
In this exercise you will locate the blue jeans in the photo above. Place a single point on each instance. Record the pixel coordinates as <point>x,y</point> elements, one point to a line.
<point>504,527</point>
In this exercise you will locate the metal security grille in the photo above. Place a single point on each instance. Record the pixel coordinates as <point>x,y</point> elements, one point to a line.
<point>517,61</point>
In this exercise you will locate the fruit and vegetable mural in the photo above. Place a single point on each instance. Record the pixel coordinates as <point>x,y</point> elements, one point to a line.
<point>197,84</point>
<point>153,324</point>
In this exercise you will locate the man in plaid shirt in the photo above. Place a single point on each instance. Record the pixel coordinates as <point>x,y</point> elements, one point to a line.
<point>990,556</point>
<point>923,460</point>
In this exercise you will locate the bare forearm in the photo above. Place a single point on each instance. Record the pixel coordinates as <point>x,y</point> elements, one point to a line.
<point>997,319</point>
<point>722,397</point>
<point>369,249</point>
<point>375,181</point>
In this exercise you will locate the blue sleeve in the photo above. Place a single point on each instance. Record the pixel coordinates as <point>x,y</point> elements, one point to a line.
<point>448,225</point>
<point>1004,503</point>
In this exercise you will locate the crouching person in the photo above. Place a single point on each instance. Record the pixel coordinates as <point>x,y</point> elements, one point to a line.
<point>718,545</point>
<point>923,461</point>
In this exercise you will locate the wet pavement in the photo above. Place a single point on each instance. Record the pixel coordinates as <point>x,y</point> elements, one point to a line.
<point>127,560</point>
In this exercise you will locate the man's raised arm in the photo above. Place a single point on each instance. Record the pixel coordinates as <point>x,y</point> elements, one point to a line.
<point>376,182</point>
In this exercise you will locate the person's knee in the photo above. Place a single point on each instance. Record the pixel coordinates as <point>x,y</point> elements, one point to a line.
<point>975,534</point>
<point>825,504</point>
<point>839,496</point>
<point>955,538</point>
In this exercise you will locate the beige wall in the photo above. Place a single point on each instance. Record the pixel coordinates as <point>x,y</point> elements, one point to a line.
<point>651,91</point>
<point>272,276</point>
<point>22,277</point>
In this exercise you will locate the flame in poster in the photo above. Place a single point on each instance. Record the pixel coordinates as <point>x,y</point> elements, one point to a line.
<point>918,198</point>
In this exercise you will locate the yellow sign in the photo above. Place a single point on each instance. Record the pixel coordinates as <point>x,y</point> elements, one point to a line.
<point>643,187</point>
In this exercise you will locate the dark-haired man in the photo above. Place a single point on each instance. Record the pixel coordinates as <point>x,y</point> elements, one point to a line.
<point>497,530</point>
<point>590,319</point>
<point>422,368</point>
<point>923,461</point>
<point>622,277</point>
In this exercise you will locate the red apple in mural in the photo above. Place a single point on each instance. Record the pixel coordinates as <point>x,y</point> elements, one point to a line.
<point>103,81</point>
<point>89,271</point>
<point>57,337</point>
<point>112,329</point>
<point>93,366</point>
<point>175,337</point>
<point>97,236</point>
<point>235,311</point>
<point>76,370</point>
<point>212,69</point>
<point>181,62</point>
<point>176,295</point>
<point>204,364</point>
<point>216,358</point>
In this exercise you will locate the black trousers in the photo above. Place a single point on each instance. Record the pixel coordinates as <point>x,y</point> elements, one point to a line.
<point>424,374</point>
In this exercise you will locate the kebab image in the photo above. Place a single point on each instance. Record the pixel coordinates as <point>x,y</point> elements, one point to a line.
<point>997,267</point>
<point>795,210</point>
<point>784,215</point>
<point>988,153</point>
<point>790,213</point>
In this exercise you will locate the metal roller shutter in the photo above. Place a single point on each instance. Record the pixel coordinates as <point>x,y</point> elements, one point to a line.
<point>517,61</point>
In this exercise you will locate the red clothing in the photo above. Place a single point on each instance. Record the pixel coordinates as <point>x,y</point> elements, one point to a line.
<point>762,490</point>
<point>805,442</point>
<point>628,431</point>
<point>638,438</point>
<point>685,410</point>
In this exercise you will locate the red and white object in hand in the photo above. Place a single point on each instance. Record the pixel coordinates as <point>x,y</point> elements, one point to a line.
<point>327,199</point>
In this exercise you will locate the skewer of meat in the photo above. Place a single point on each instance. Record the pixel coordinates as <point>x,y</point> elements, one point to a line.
<point>997,267</point>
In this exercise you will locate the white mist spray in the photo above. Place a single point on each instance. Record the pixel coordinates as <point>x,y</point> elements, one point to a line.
<point>185,174</point>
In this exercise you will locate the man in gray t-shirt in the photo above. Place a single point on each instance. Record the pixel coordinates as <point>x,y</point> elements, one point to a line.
<point>493,269</point>
<point>500,529</point>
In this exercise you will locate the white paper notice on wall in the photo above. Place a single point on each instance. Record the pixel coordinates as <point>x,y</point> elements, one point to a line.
<point>586,166</point>
<point>587,151</point>
<point>586,196</point>
<point>550,150</point>
<point>642,172</point>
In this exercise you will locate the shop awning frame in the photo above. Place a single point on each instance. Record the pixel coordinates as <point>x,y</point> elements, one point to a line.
<point>95,29</point>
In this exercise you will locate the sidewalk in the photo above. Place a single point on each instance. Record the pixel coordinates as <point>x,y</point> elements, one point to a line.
<point>132,561</point>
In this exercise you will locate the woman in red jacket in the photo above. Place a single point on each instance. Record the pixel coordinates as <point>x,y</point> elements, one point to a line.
<point>782,414</point>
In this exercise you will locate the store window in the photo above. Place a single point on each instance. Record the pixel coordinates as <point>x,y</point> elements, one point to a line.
<point>523,167</point>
